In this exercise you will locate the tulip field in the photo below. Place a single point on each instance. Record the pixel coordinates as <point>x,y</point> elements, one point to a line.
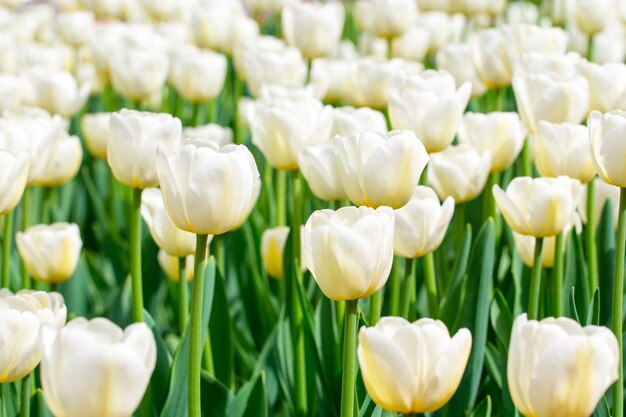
<point>309,208</point>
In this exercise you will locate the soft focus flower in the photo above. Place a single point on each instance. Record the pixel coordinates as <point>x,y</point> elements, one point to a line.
<point>608,148</point>
<point>170,265</point>
<point>520,39</point>
<point>500,133</point>
<point>98,358</point>
<point>221,25</point>
<point>272,248</point>
<point>138,74</point>
<point>412,367</point>
<point>525,245</point>
<point>429,104</point>
<point>318,165</point>
<point>166,235</point>
<point>331,79</point>
<point>348,120</point>
<point>257,6</point>
<point>454,58</point>
<point>207,190</point>
<point>421,223</point>
<point>490,58</point>
<point>563,149</point>
<point>385,18</point>
<point>21,315</point>
<point>134,138</point>
<point>95,128</point>
<point>56,92</point>
<point>539,207</point>
<point>607,85</point>
<point>75,27</point>
<point>313,28</point>
<point>58,160</point>
<point>349,251</point>
<point>13,178</point>
<point>603,193</point>
<point>197,75</point>
<point>553,361</point>
<point>211,132</point>
<point>459,172</point>
<point>50,252</point>
<point>412,45</point>
<point>13,91</point>
<point>378,169</point>
<point>592,16</point>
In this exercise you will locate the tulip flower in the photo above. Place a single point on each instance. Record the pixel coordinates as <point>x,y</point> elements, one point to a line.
<point>412,367</point>
<point>564,66</point>
<point>138,74</point>
<point>380,169</point>
<point>563,149</point>
<point>453,58</point>
<point>442,28</point>
<point>21,315</point>
<point>459,172</point>
<point>75,27</point>
<point>318,165</point>
<point>490,58</point>
<point>525,246</point>
<point>331,79</point>
<point>95,128</point>
<point>96,357</point>
<point>171,266</point>
<point>385,18</point>
<point>58,160</point>
<point>272,249</point>
<point>188,74</point>
<point>211,132</point>
<point>13,91</point>
<point>502,134</point>
<point>552,361</point>
<point>266,5</point>
<point>607,85</point>
<point>412,45</point>
<point>606,132</point>
<point>590,16</point>
<point>348,120</point>
<point>221,26</point>
<point>603,193</point>
<point>50,252</point>
<point>349,251</point>
<point>520,39</point>
<point>429,104</point>
<point>135,136</point>
<point>313,28</point>
<point>13,178</point>
<point>56,92</point>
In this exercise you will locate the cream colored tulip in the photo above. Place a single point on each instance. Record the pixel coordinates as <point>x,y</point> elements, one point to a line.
<point>607,85</point>
<point>58,160</point>
<point>453,58</point>
<point>135,136</point>
<point>75,27</point>
<point>525,245</point>
<point>266,5</point>
<point>459,172</point>
<point>21,315</point>
<point>442,28</point>
<point>13,178</point>
<point>592,16</point>
<point>137,74</point>
<point>412,367</point>
<point>603,193</point>
<point>50,253</point>
<point>523,13</point>
<point>563,149</point>
<point>318,165</point>
<point>313,28</point>
<point>348,120</point>
<point>421,224</point>
<point>197,75</point>
<point>502,134</point>
<point>272,249</point>
<point>413,45</point>
<point>564,66</point>
<point>207,190</point>
<point>331,79</point>
<point>56,92</point>
<point>608,148</point>
<point>221,26</point>
<point>349,251</point>
<point>429,104</point>
<point>94,368</point>
<point>166,235</point>
<point>558,368</point>
<point>520,39</point>
<point>13,91</point>
<point>490,58</point>
<point>539,207</point>
<point>385,18</point>
<point>490,8</point>
<point>372,46</point>
<point>96,131</point>
<point>170,265</point>
<point>211,132</point>
<point>378,169</point>
<point>550,98</point>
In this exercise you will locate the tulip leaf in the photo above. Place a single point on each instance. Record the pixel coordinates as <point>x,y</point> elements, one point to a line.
<point>38,405</point>
<point>9,406</point>
<point>370,409</point>
<point>483,409</point>
<point>220,324</point>
<point>251,400</point>
<point>593,312</point>
<point>605,240</point>
<point>501,318</point>
<point>157,390</point>
<point>216,398</point>
<point>602,409</point>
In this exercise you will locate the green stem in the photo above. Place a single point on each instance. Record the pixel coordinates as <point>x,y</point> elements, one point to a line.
<point>26,212</point>
<point>7,242</point>
<point>489,203</point>
<point>431,285</point>
<point>348,378</point>
<point>459,222</point>
<point>408,288</point>
<point>25,400</point>
<point>376,303</point>
<point>135,256</point>
<point>46,196</point>
<point>211,116</point>
<point>527,168</point>
<point>590,238</point>
<point>296,216</point>
<point>395,282</point>
<point>558,274</point>
<point>535,282</point>
<point>281,198</point>
<point>183,295</point>
<point>195,333</point>
<point>589,48</point>
<point>195,114</point>
<point>618,300</point>
<point>218,251</point>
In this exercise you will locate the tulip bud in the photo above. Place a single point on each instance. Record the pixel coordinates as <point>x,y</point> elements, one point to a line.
<point>421,223</point>
<point>95,128</point>
<point>453,58</point>
<point>607,85</point>
<point>608,148</point>
<point>138,74</point>
<point>380,169</point>
<point>21,315</point>
<point>603,193</point>
<point>50,253</point>
<point>563,149</point>
<point>539,207</point>
<point>13,178</point>
<point>348,120</point>
<point>412,367</point>
<point>221,26</point>
<point>207,190</point>
<point>552,361</point>
<point>385,18</point>
<point>170,265</point>
<point>591,15</point>
<point>489,55</point>
<point>272,249</point>
<point>135,136</point>
<point>428,104</point>
<point>99,359</point>
<point>188,74</point>
<point>318,165</point>
<point>502,134</point>
<point>459,172</point>
<point>56,92</point>
<point>211,132</point>
<point>349,251</point>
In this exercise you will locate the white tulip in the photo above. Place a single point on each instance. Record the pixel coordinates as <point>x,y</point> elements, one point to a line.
<point>490,58</point>
<point>211,132</point>
<point>348,120</point>
<point>607,85</point>
<point>319,168</point>
<point>608,149</point>
<point>385,18</point>
<point>412,45</point>
<point>170,265</point>
<point>95,128</point>
<point>591,16</point>
<point>138,74</point>
<point>331,79</point>
<point>563,66</point>
<point>56,92</point>
<point>197,75</point>
<point>272,249</point>
<point>453,58</point>
<point>13,178</point>
<point>75,27</point>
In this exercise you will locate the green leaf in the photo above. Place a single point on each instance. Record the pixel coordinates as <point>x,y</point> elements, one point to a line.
<point>605,240</point>
<point>449,305</point>
<point>483,409</point>
<point>370,409</point>
<point>157,390</point>
<point>603,409</point>
<point>251,400</point>
<point>216,398</point>
<point>593,313</point>
<point>220,324</point>
<point>501,318</point>
<point>9,406</point>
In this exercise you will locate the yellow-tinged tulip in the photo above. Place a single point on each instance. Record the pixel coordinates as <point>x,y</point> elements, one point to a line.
<point>208,190</point>
<point>603,193</point>
<point>331,79</point>
<point>490,58</point>
<point>197,75</point>
<point>525,245</point>
<point>607,85</point>
<point>421,223</point>
<point>75,27</point>
<point>459,172</point>
<point>556,368</point>
<point>412,45</point>
<point>380,169</point>
<point>538,207</point>
<point>13,178</point>
<point>348,120</point>
<point>221,25</point>
<point>56,91</point>
<point>412,367</point>
<point>21,315</point>
<point>58,160</point>
<point>385,18</point>
<point>272,248</point>
<point>318,165</point>
<point>169,264</point>
<point>314,28</point>
<point>135,136</point>
<point>50,252</point>
<point>558,65</point>
<point>95,128</point>
<point>211,132</point>
<point>94,368</point>
<point>138,74</point>
<point>349,251</point>
<point>608,147</point>
<point>453,57</point>
<point>592,16</point>
<point>502,134</point>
